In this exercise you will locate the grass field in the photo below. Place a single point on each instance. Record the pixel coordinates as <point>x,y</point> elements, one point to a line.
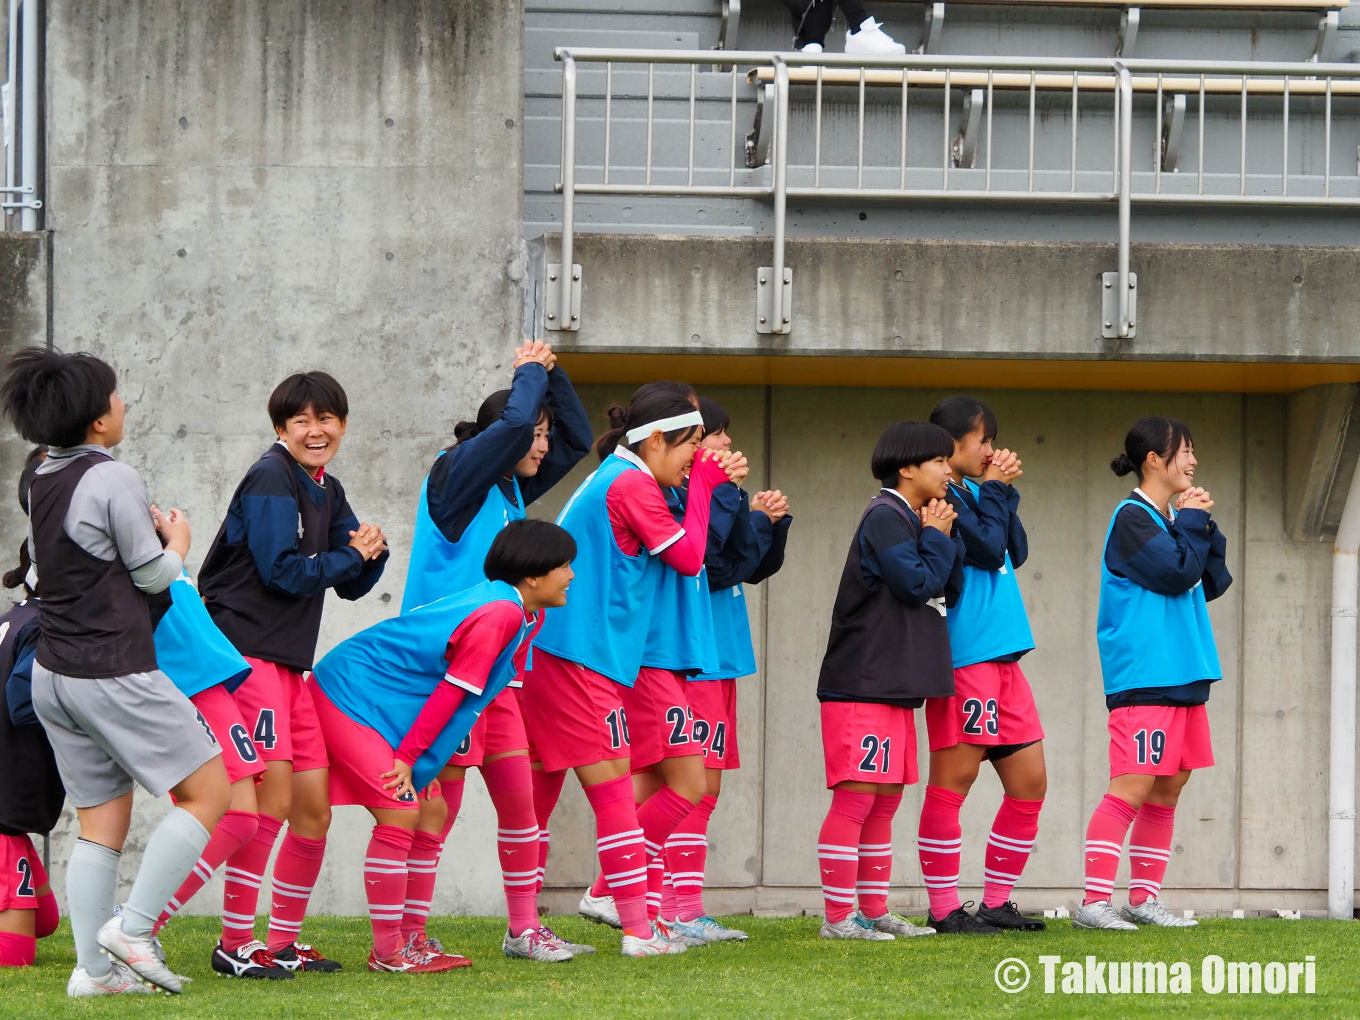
<point>784,971</point>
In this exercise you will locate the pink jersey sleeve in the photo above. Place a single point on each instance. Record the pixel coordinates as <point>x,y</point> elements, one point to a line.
<point>639,515</point>
<point>478,642</point>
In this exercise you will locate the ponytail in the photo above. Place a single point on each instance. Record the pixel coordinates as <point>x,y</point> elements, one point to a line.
<point>487,415</point>
<point>1162,436</point>
<point>653,401</point>
<point>19,575</point>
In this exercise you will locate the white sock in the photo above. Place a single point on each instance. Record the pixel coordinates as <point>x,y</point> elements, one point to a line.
<point>91,877</point>
<point>172,851</point>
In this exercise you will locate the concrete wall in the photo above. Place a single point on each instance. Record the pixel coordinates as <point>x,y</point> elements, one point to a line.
<point>1255,822</point>
<point>238,190</point>
<point>23,322</point>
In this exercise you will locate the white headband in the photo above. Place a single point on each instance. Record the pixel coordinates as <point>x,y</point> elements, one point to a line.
<point>679,421</point>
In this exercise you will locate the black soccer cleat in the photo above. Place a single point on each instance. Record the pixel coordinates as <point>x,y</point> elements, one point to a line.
<point>298,956</point>
<point>251,960</point>
<point>960,922</point>
<point>1007,917</point>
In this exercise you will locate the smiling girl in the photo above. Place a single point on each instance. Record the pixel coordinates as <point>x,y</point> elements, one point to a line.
<point>1163,561</point>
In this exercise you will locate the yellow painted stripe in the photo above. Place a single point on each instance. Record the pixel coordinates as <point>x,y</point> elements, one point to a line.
<point>932,373</point>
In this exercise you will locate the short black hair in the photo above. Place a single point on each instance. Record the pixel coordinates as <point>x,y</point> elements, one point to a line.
<point>907,444</point>
<point>1162,436</point>
<point>317,390</point>
<point>716,418</point>
<point>528,548</point>
<point>961,415</point>
<point>53,398</point>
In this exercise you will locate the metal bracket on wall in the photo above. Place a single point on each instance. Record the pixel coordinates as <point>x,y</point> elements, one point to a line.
<point>560,314</point>
<point>1173,122</point>
<point>1128,31</point>
<point>963,148</point>
<point>1109,306</point>
<point>931,28</point>
<point>23,203</point>
<point>765,301</point>
<point>1327,26</point>
<point>758,138</point>
<point>729,26</point>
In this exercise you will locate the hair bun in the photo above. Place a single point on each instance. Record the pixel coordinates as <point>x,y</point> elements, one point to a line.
<point>618,416</point>
<point>465,430</point>
<point>1122,465</point>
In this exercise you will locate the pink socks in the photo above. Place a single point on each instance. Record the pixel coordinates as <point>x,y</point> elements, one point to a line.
<point>385,885</point>
<point>547,790</point>
<point>509,782</point>
<point>939,843</point>
<point>875,856</point>
<point>234,831</point>
<point>659,816</point>
<point>1008,847</point>
<point>295,871</point>
<point>686,858</point>
<point>623,855</point>
<point>1104,843</point>
<point>838,850</point>
<point>241,892</point>
<point>1149,851</point>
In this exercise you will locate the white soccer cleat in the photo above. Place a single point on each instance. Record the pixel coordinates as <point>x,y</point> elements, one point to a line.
<point>139,953</point>
<point>1100,914</point>
<point>871,40</point>
<point>120,980</point>
<point>856,926</point>
<point>574,948</point>
<point>534,945</point>
<point>1153,913</point>
<point>706,929</point>
<point>600,909</point>
<point>657,945</point>
<point>894,924</point>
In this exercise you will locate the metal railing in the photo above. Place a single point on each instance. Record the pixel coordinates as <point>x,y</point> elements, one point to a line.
<point>734,88</point>
<point>22,116</point>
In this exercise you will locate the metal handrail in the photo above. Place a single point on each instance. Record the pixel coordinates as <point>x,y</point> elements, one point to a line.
<point>1079,78</point>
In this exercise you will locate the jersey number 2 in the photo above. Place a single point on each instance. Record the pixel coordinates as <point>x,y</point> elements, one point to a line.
<point>25,870</point>
<point>678,717</point>
<point>871,745</point>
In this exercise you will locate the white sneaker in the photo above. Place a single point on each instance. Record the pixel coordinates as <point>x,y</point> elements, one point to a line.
<point>534,945</point>
<point>1100,914</point>
<point>856,926</point>
<point>139,953</point>
<point>896,925</point>
<point>600,909</point>
<point>1153,913</point>
<point>706,929</point>
<point>812,47</point>
<point>657,945</point>
<point>682,934</point>
<point>120,980</point>
<point>873,41</point>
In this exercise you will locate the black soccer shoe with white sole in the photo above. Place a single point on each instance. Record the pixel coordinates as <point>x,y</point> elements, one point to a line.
<point>960,922</point>
<point>251,960</point>
<point>1007,917</point>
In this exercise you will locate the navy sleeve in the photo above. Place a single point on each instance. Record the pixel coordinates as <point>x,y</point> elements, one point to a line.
<point>343,521</point>
<point>915,563</point>
<point>571,437</point>
<point>953,587</point>
<point>773,559</point>
<point>461,478</point>
<point>1166,561</point>
<point>734,547</point>
<point>19,683</point>
<point>269,517</point>
<point>1216,578</point>
<point>1017,541</point>
<point>984,524</point>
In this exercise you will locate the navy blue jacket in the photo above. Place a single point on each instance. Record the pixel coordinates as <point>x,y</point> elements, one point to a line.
<point>460,479</point>
<point>915,563</point>
<point>743,547</point>
<point>992,527</point>
<point>284,541</point>
<point>31,794</point>
<point>1191,551</point>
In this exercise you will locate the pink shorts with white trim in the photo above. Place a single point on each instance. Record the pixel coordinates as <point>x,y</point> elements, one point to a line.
<point>276,704</point>
<point>661,721</point>
<point>359,756</point>
<point>714,704</point>
<point>500,728</point>
<point>222,716</point>
<point>573,715</point>
<point>21,874</point>
<point>992,706</point>
<point>1159,740</point>
<point>868,743</point>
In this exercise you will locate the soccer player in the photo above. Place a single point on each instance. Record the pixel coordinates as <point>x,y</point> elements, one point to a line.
<point>591,649</point>
<point>32,796</point>
<point>887,652</point>
<point>746,542</point>
<point>992,715</point>
<point>524,441</point>
<point>1163,561</point>
<point>111,716</point>
<point>396,699</point>
<point>289,534</point>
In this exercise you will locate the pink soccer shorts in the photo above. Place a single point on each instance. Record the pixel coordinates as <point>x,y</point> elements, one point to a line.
<point>573,715</point>
<point>220,714</point>
<point>1159,740</point>
<point>359,755</point>
<point>500,728</point>
<point>992,706</point>
<point>868,743</point>
<point>276,704</point>
<point>660,717</point>
<point>21,874</point>
<point>714,703</point>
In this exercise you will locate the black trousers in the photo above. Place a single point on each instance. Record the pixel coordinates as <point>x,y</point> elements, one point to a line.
<point>812,18</point>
